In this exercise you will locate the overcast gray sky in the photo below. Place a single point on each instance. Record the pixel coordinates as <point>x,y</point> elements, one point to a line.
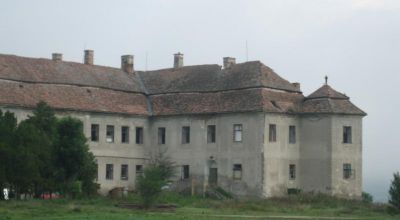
<point>355,42</point>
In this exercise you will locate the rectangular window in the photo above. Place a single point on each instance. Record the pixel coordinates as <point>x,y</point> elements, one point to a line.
<point>124,172</point>
<point>185,134</point>
<point>237,132</point>
<point>211,133</point>
<point>237,171</point>
<point>292,171</point>
<point>185,172</point>
<point>347,171</point>
<point>109,171</point>
<point>110,134</point>
<point>95,132</point>
<point>272,132</point>
<point>139,135</point>
<point>139,170</point>
<point>125,134</point>
<point>292,134</point>
<point>347,134</point>
<point>161,135</point>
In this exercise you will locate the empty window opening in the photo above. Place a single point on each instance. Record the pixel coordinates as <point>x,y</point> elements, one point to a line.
<point>139,135</point>
<point>292,171</point>
<point>237,132</point>
<point>185,134</point>
<point>161,135</point>
<point>109,171</point>
<point>292,134</point>
<point>237,171</point>
<point>124,172</point>
<point>347,171</point>
<point>125,134</point>
<point>139,170</point>
<point>211,133</point>
<point>185,172</point>
<point>272,132</point>
<point>110,134</point>
<point>95,132</point>
<point>347,134</point>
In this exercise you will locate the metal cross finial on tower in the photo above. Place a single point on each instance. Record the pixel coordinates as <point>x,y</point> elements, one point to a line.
<point>326,80</point>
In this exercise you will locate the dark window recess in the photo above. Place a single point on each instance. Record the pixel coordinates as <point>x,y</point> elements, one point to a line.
<point>347,134</point>
<point>347,171</point>
<point>139,135</point>
<point>139,170</point>
<point>124,172</point>
<point>293,191</point>
<point>109,171</point>
<point>185,134</point>
<point>125,134</point>
<point>237,171</point>
<point>161,135</point>
<point>110,134</point>
<point>272,132</point>
<point>292,134</point>
<point>95,132</point>
<point>211,133</point>
<point>185,172</point>
<point>292,171</point>
<point>237,132</point>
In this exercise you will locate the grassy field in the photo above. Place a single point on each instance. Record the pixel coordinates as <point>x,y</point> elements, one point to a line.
<point>297,207</point>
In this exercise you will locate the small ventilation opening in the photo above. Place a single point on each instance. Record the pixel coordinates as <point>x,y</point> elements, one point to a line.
<point>275,104</point>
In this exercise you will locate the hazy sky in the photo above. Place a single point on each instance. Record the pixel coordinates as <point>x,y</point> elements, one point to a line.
<point>355,42</point>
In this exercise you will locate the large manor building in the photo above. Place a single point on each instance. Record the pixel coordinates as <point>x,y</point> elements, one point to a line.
<point>239,126</point>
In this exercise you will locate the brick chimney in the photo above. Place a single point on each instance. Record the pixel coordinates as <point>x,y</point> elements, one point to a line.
<point>297,85</point>
<point>178,60</point>
<point>56,56</point>
<point>229,62</point>
<point>88,58</point>
<point>127,63</point>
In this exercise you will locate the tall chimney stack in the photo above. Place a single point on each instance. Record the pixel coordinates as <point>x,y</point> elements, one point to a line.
<point>56,56</point>
<point>88,59</point>
<point>178,60</point>
<point>229,62</point>
<point>127,63</point>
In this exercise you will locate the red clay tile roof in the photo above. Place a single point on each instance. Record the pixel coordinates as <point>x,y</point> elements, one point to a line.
<point>202,89</point>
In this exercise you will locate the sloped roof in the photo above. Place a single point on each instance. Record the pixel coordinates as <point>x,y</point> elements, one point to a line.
<point>327,92</point>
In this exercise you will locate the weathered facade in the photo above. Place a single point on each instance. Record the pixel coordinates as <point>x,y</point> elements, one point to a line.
<point>241,126</point>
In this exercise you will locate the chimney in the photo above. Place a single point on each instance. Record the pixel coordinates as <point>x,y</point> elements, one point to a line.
<point>229,62</point>
<point>56,56</point>
<point>297,85</point>
<point>88,59</point>
<point>127,63</point>
<point>178,60</point>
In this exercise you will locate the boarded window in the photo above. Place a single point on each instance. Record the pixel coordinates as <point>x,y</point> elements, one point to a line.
<point>292,134</point>
<point>185,172</point>
<point>185,134</point>
<point>347,134</point>
<point>139,135</point>
<point>237,132</point>
<point>125,134</point>
<point>124,172</point>
<point>211,133</point>
<point>95,132</point>
<point>292,171</point>
<point>272,132</point>
<point>139,170</point>
<point>109,171</point>
<point>347,171</point>
<point>237,171</point>
<point>110,134</point>
<point>161,135</point>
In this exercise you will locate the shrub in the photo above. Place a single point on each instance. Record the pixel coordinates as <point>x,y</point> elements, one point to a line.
<point>366,197</point>
<point>394,191</point>
<point>149,185</point>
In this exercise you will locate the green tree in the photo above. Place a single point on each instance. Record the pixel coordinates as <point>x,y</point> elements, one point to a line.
<point>394,191</point>
<point>74,162</point>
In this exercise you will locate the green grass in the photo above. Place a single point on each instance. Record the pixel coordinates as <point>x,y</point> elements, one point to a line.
<point>100,208</point>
